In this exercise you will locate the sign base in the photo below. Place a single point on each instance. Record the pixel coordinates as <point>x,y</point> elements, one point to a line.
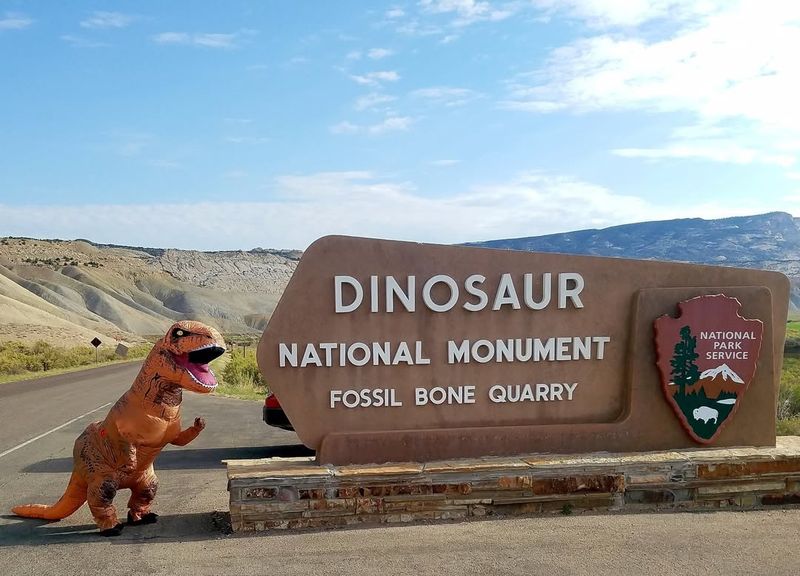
<point>296,493</point>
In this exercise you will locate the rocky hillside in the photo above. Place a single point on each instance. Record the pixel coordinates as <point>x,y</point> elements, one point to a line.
<point>74,290</point>
<point>767,242</point>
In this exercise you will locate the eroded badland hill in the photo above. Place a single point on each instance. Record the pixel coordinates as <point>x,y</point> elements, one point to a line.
<point>68,292</point>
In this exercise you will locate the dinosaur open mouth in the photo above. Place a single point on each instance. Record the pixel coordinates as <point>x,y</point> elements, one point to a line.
<point>196,364</point>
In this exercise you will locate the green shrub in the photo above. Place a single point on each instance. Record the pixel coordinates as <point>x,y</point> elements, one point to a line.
<point>20,358</point>
<point>789,427</point>
<point>139,350</point>
<point>239,376</point>
<point>242,370</point>
<point>792,336</point>
<point>789,393</point>
<point>12,360</point>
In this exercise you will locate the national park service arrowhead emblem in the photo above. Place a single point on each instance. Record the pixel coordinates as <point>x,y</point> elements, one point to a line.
<point>707,358</point>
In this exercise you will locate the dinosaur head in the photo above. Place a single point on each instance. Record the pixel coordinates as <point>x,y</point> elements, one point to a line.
<point>184,353</point>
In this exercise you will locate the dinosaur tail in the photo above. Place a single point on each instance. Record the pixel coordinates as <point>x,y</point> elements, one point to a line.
<point>73,498</point>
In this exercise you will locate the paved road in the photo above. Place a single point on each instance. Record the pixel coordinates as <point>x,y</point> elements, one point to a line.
<point>188,539</point>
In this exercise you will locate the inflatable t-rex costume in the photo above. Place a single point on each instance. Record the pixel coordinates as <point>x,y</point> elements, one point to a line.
<point>119,451</point>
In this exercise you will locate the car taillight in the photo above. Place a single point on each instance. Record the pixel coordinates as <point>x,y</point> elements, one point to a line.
<point>272,402</point>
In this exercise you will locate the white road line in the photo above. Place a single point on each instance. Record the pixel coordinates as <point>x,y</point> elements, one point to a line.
<point>57,428</point>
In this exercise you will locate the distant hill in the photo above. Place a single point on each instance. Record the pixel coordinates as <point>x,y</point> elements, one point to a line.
<point>71,291</point>
<point>767,242</point>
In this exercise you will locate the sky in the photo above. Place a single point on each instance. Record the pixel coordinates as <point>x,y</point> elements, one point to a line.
<point>242,124</point>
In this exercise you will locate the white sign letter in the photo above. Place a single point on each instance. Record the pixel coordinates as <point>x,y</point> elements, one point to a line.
<point>571,293</point>
<point>359,296</point>
<point>426,293</point>
<point>469,286</point>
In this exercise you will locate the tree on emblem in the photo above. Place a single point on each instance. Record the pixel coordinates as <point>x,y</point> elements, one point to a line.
<point>684,370</point>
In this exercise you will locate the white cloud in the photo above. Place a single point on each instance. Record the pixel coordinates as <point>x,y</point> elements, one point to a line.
<point>172,38</point>
<point>372,101</point>
<point>730,65</point>
<point>205,39</point>
<point>14,21</point>
<point>214,40</point>
<point>446,95</point>
<point>131,145</point>
<point>252,140</point>
<point>81,42</point>
<point>375,78</point>
<point>389,124</point>
<point>379,53</point>
<point>344,127</point>
<point>441,17</point>
<point>418,28</point>
<point>296,61</point>
<point>166,164</point>
<point>629,13</point>
<point>467,12</point>
<point>305,207</point>
<point>715,151</point>
<point>101,19</point>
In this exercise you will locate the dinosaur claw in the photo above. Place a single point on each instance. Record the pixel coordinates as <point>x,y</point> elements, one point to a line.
<point>149,518</point>
<point>115,531</point>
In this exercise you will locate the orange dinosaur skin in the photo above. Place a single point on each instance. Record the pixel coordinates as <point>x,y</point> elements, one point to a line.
<point>119,451</point>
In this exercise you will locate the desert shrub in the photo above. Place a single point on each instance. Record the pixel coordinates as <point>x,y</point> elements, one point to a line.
<point>789,426</point>
<point>12,361</point>
<point>789,393</point>
<point>19,358</point>
<point>241,370</point>
<point>139,350</point>
<point>238,375</point>
<point>792,336</point>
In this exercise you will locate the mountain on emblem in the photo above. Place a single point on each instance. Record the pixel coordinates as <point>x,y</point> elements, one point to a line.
<point>707,358</point>
<point>724,372</point>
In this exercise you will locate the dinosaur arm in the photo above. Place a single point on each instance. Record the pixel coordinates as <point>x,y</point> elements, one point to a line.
<point>190,433</point>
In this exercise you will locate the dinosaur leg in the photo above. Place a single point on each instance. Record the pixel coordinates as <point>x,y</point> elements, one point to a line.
<point>100,497</point>
<point>142,495</point>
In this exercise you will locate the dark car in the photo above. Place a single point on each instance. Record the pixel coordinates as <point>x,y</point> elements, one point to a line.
<point>274,414</point>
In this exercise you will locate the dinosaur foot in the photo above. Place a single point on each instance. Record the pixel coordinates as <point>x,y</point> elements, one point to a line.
<point>115,531</point>
<point>149,518</point>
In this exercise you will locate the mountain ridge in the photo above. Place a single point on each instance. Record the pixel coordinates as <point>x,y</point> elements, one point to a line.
<point>768,241</point>
<point>65,290</point>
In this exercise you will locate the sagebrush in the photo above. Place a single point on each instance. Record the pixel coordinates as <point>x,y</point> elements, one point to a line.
<point>789,397</point>
<point>239,376</point>
<point>19,358</point>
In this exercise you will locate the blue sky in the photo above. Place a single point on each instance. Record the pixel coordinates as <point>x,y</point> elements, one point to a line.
<point>233,125</point>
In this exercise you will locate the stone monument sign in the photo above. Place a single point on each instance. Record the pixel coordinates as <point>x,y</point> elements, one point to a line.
<point>394,351</point>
